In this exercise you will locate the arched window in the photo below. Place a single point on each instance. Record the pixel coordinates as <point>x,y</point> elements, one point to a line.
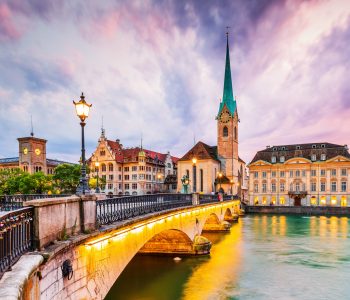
<point>103,167</point>
<point>110,167</point>
<point>225,131</point>
<point>235,133</point>
<point>201,179</point>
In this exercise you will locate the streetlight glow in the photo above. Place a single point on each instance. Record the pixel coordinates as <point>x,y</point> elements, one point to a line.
<point>82,108</point>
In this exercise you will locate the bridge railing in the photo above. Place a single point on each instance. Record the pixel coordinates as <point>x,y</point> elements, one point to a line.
<point>16,236</point>
<point>13,202</point>
<point>122,208</point>
<point>210,198</point>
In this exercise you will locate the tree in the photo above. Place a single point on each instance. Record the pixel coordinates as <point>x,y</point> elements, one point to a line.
<point>9,181</point>
<point>66,178</point>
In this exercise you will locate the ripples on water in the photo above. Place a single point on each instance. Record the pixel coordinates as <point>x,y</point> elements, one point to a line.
<point>264,257</point>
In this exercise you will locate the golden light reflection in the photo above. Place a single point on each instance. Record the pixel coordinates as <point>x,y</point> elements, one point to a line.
<point>282,225</point>
<point>225,260</point>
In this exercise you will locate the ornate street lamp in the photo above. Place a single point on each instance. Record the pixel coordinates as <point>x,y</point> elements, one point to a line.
<point>97,165</point>
<point>194,161</point>
<point>82,109</point>
<point>220,176</point>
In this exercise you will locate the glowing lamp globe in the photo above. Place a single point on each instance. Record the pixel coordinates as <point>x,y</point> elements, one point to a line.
<point>82,108</point>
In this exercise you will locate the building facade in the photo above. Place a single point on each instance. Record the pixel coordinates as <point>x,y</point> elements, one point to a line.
<point>32,157</point>
<point>304,174</point>
<point>132,171</point>
<point>213,168</point>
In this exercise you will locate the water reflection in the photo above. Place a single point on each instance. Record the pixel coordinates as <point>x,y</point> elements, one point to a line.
<point>264,257</point>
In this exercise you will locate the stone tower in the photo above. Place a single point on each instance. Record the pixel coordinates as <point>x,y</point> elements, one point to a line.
<point>227,124</point>
<point>32,154</point>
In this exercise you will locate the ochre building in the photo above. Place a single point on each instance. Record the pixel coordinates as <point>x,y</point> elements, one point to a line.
<point>213,168</point>
<point>303,174</point>
<point>132,171</point>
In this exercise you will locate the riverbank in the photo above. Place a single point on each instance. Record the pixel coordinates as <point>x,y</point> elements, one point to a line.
<point>299,210</point>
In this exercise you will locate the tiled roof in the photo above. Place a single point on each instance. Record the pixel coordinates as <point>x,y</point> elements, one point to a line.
<point>9,160</point>
<point>301,150</point>
<point>201,151</point>
<point>130,153</point>
<point>56,162</point>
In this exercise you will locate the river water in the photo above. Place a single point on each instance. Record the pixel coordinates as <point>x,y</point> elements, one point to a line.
<point>263,257</point>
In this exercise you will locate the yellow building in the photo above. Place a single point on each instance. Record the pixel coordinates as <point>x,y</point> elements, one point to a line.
<point>213,168</point>
<point>303,174</point>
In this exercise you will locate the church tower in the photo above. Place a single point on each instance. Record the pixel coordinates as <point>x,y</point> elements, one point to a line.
<point>227,124</point>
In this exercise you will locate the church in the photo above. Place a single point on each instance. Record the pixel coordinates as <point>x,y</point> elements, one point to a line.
<point>210,169</point>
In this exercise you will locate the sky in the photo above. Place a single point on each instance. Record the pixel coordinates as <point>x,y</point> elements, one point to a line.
<point>156,69</point>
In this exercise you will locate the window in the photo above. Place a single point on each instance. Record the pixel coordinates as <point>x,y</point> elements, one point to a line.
<point>273,174</point>
<point>343,172</point>
<point>264,187</point>
<point>103,167</point>
<point>256,174</point>
<point>273,187</point>
<point>110,177</point>
<point>282,174</point>
<point>120,177</point>
<point>256,200</point>
<point>313,200</point>
<point>282,201</point>
<point>297,173</point>
<point>134,168</point>
<point>313,186</point>
<point>110,167</point>
<point>264,174</point>
<point>323,156</point>
<point>313,146</point>
<point>103,177</point>
<point>273,159</point>
<point>282,186</point>
<point>134,186</point>
<point>126,186</point>
<point>291,173</point>
<point>201,179</point>
<point>313,157</point>
<point>102,152</point>
<point>119,169</point>
<point>235,133</point>
<point>141,168</point>
<point>110,186</point>
<point>126,177</point>
<point>298,147</point>
<point>323,186</point>
<point>282,159</point>
<point>142,176</point>
<point>303,173</point>
<point>313,173</point>
<point>297,187</point>
<point>333,200</point>
<point>334,172</point>
<point>283,148</point>
<point>225,131</point>
<point>323,200</point>
<point>343,186</point>
<point>120,186</point>
<point>323,146</point>
<point>333,186</point>
<point>256,188</point>
<point>134,176</point>
<point>323,172</point>
<point>126,169</point>
<point>291,187</point>
<point>343,201</point>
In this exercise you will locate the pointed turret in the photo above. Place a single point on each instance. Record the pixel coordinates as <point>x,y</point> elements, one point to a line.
<point>227,97</point>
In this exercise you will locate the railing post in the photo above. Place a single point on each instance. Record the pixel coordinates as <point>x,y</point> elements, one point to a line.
<point>195,199</point>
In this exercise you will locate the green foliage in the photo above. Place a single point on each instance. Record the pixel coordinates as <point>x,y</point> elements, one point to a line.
<point>9,181</point>
<point>93,182</point>
<point>66,178</point>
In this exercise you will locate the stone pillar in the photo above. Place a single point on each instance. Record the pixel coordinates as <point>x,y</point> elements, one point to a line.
<point>195,199</point>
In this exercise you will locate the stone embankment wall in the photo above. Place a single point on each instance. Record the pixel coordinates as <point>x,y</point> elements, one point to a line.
<point>303,210</point>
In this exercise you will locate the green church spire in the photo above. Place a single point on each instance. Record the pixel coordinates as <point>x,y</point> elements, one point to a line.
<point>227,97</point>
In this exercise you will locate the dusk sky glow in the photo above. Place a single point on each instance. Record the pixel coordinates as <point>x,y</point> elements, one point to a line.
<point>156,68</point>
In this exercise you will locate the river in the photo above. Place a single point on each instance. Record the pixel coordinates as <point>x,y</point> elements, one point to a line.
<point>263,257</point>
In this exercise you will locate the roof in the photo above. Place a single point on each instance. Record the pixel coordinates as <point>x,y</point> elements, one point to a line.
<point>201,151</point>
<point>48,161</point>
<point>9,160</point>
<point>227,98</point>
<point>301,150</point>
<point>57,162</point>
<point>122,154</point>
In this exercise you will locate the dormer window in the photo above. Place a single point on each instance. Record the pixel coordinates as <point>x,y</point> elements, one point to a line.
<point>282,159</point>
<point>313,157</point>
<point>283,148</point>
<point>274,148</point>
<point>314,146</point>
<point>273,159</point>
<point>323,156</point>
<point>323,146</point>
<point>298,147</point>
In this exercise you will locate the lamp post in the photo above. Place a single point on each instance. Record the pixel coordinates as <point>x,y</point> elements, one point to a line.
<point>82,109</point>
<point>97,165</point>
<point>220,176</point>
<point>159,176</point>
<point>194,161</point>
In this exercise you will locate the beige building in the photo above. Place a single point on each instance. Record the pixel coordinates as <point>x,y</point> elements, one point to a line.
<point>32,157</point>
<point>303,174</point>
<point>213,168</point>
<point>132,171</point>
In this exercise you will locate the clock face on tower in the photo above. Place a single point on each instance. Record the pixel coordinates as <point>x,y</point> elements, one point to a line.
<point>25,150</point>
<point>225,117</point>
<point>37,151</point>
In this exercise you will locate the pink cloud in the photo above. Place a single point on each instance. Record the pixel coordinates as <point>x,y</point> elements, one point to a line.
<point>8,30</point>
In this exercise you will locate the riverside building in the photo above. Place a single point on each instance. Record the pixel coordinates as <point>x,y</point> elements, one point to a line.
<point>210,169</point>
<point>132,171</point>
<point>301,174</point>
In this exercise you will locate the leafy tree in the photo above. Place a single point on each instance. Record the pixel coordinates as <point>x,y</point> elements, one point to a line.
<point>9,181</point>
<point>93,182</point>
<point>66,178</point>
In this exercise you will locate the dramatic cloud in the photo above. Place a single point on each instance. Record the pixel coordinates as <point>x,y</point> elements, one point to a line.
<point>156,68</point>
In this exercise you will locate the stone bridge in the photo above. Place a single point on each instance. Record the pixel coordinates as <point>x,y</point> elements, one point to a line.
<point>99,257</point>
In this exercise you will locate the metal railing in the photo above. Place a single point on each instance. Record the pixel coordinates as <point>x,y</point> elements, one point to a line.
<point>122,208</point>
<point>13,202</point>
<point>210,198</point>
<point>16,236</point>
